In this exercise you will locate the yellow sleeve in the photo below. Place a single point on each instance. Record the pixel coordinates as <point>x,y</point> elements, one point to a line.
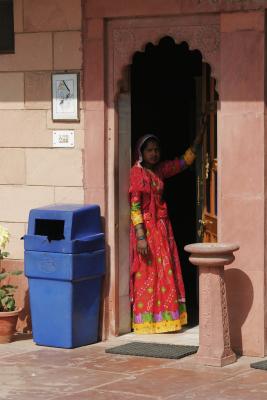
<point>136,214</point>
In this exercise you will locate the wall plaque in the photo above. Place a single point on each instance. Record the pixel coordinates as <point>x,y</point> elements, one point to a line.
<point>65,104</point>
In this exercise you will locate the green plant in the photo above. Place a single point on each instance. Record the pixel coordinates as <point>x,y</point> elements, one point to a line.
<point>7,291</point>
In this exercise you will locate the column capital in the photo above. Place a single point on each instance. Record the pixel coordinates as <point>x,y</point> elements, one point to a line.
<point>211,254</point>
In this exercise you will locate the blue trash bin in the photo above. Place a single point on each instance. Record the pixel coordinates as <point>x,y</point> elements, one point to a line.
<point>65,266</point>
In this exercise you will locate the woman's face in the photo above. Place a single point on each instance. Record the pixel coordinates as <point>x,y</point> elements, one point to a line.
<point>151,153</point>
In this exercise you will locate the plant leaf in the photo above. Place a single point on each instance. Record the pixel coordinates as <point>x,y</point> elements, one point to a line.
<point>10,304</point>
<point>16,273</point>
<point>9,289</point>
<point>4,300</point>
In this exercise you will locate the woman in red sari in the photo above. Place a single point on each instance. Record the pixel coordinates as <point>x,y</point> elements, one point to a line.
<point>156,286</point>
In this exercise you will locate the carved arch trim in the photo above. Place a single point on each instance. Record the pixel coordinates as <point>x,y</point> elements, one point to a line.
<point>130,36</point>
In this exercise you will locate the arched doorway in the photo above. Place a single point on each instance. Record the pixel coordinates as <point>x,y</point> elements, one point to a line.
<point>170,87</point>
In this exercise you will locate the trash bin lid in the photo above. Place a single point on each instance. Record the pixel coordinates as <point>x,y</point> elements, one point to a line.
<point>65,228</point>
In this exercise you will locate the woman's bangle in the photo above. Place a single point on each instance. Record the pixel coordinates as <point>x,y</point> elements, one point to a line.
<point>141,238</point>
<point>189,156</point>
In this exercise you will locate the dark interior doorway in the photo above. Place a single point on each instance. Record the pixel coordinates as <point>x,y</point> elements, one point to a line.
<point>163,102</point>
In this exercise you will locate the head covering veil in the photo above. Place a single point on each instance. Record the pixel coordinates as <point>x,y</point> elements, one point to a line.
<point>138,158</point>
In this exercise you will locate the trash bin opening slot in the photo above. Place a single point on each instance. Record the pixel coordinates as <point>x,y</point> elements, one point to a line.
<point>52,228</point>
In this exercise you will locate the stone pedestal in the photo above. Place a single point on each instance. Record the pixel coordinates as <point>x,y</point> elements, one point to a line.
<point>214,338</point>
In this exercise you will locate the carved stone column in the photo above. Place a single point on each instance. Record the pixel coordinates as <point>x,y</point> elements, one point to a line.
<point>214,337</point>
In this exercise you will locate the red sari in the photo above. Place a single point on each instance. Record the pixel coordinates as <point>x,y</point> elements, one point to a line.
<point>156,284</point>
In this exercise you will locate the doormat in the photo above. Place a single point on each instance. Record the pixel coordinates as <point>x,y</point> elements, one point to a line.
<point>157,350</point>
<point>260,365</point>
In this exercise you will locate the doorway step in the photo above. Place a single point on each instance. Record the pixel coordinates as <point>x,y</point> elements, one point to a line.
<point>187,336</point>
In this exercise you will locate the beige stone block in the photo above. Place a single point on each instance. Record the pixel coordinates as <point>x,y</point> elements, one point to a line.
<point>244,178</point>
<point>79,125</point>
<point>94,149</point>
<point>94,75</point>
<point>52,15</point>
<point>12,166</point>
<point>33,53</point>
<point>18,15</point>
<point>12,90</point>
<point>38,90</point>
<point>96,196</point>
<point>15,246</point>
<point>122,8</point>
<point>81,89</point>
<point>95,28</point>
<point>54,167</point>
<point>79,139</point>
<point>236,82</point>
<point>24,128</point>
<point>125,314</point>
<point>241,107</point>
<point>67,50</point>
<point>240,214</point>
<point>17,201</point>
<point>242,21</point>
<point>69,195</point>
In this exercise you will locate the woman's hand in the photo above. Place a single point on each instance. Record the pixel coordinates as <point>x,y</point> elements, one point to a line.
<point>142,247</point>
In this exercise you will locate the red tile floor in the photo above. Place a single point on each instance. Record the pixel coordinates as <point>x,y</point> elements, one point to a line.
<point>32,372</point>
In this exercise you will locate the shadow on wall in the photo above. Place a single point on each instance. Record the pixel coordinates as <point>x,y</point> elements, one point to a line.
<point>24,322</point>
<point>103,330</point>
<point>239,298</point>
<point>22,300</point>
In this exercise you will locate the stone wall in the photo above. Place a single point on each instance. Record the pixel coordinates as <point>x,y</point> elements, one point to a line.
<point>242,212</point>
<point>47,39</point>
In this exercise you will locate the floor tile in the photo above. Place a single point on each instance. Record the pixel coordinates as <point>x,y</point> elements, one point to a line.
<point>166,382</point>
<point>44,383</point>
<point>54,357</point>
<point>103,395</point>
<point>223,391</point>
<point>125,364</point>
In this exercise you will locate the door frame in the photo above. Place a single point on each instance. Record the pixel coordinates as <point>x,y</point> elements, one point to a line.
<point>205,164</point>
<point>124,38</point>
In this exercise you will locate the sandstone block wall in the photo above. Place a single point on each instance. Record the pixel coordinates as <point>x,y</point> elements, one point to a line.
<point>32,172</point>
